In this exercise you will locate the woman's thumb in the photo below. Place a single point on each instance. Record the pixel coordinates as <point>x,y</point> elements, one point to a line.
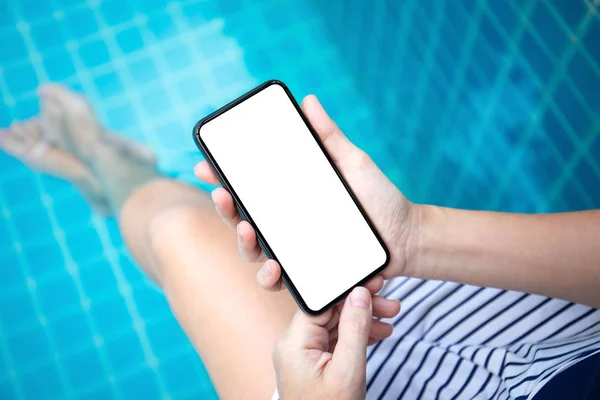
<point>338,146</point>
<point>353,332</point>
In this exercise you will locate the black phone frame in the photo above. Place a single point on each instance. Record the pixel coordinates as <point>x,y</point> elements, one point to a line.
<point>246,216</point>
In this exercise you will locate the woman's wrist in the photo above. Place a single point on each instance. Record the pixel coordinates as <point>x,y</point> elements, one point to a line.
<point>423,240</point>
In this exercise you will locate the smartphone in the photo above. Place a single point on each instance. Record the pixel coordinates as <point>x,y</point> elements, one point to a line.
<point>266,154</point>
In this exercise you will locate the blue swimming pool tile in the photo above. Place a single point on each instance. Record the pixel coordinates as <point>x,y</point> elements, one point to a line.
<point>44,258</point>
<point>151,303</point>
<point>590,41</point>
<point>156,101</point>
<point>114,233</point>
<point>44,382</point>
<point>7,389</point>
<point>20,190</point>
<point>26,108</point>
<point>109,84</point>
<point>121,117</point>
<point>5,237</point>
<point>72,211</point>
<point>98,280</point>
<point>571,12</point>
<point>58,295</point>
<point>32,9</point>
<point>161,26</point>
<point>586,76</point>
<point>94,53</point>
<point>46,36</point>
<point>111,316</point>
<point>32,224</point>
<point>59,65</point>
<point>72,332</point>
<point>125,352</point>
<point>143,71</point>
<point>69,3</point>
<point>5,120</point>
<point>53,185</point>
<point>28,348</point>
<point>116,12</point>
<point>164,336</point>
<point>572,198</point>
<point>180,373</point>
<point>178,57</point>
<point>142,385</point>
<point>557,134</point>
<point>130,40</point>
<point>587,174</point>
<point>85,368</point>
<point>198,13</point>
<point>81,23</point>
<point>579,121</point>
<point>539,61</point>
<point>84,244</point>
<point>151,6</point>
<point>12,275</point>
<point>21,79</point>
<point>548,28</point>
<point>132,272</point>
<point>13,46</point>
<point>98,393</point>
<point>6,14</point>
<point>17,309</point>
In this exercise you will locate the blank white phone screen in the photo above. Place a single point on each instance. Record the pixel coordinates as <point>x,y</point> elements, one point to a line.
<point>297,201</point>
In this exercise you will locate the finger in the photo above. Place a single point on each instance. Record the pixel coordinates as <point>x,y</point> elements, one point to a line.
<point>333,139</point>
<point>354,330</point>
<point>380,330</point>
<point>269,276</point>
<point>385,308</point>
<point>247,243</point>
<point>225,207</point>
<point>204,172</point>
<point>308,332</point>
<point>375,284</point>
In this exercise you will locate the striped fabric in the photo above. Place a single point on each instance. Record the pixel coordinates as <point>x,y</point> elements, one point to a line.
<point>454,341</point>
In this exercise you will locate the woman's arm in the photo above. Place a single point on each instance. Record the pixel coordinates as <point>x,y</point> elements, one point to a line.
<point>556,255</point>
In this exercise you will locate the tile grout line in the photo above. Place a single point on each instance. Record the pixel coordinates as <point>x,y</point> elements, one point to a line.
<point>59,234</point>
<point>513,164</point>
<point>458,82</point>
<point>492,102</point>
<point>139,325</point>
<point>11,375</point>
<point>557,157</point>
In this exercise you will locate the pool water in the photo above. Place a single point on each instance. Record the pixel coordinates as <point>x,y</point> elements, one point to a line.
<point>463,103</point>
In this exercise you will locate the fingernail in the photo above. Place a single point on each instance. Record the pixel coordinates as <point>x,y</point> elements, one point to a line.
<point>266,270</point>
<point>239,233</point>
<point>360,297</point>
<point>212,196</point>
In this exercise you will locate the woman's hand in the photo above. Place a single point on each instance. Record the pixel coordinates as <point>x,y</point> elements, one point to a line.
<point>323,358</point>
<point>387,208</point>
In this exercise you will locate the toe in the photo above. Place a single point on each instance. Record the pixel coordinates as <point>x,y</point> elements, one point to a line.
<point>53,123</point>
<point>11,140</point>
<point>62,95</point>
<point>70,120</point>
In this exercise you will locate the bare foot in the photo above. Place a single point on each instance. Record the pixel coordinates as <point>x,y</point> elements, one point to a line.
<point>26,141</point>
<point>64,140</point>
<point>80,131</point>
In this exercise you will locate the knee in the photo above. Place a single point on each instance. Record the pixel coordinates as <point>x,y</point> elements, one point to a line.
<point>169,227</point>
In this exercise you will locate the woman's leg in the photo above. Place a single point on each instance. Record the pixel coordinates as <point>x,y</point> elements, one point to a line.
<point>177,237</point>
<point>231,321</point>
